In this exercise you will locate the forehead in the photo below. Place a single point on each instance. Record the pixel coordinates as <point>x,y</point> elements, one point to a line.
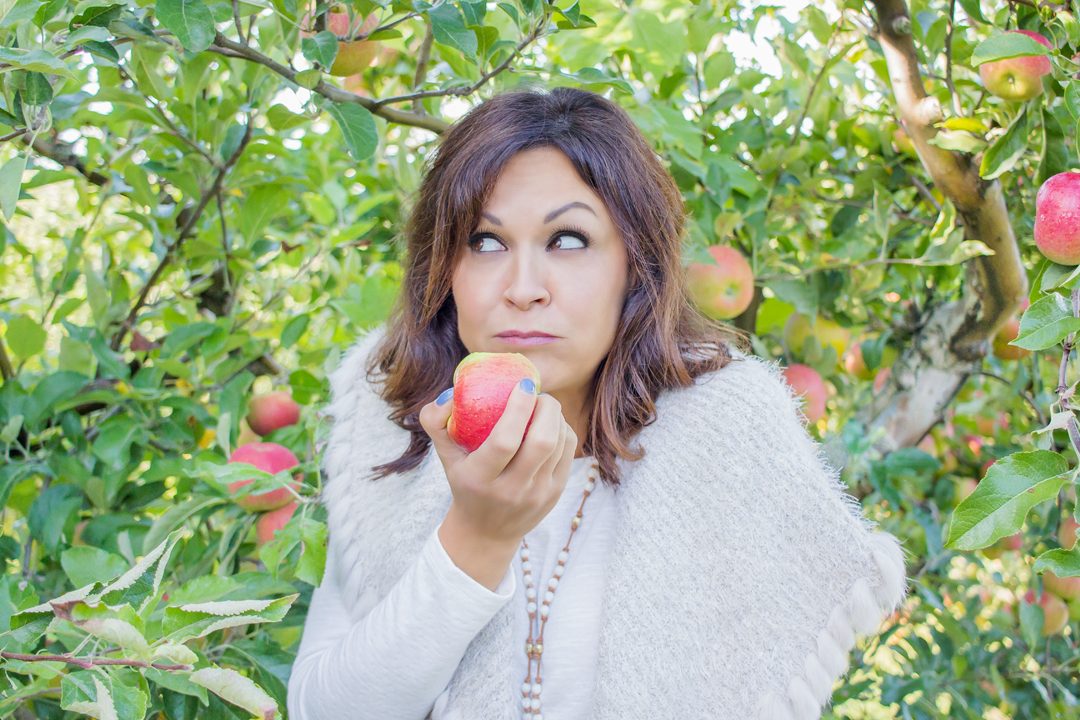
<point>540,181</point>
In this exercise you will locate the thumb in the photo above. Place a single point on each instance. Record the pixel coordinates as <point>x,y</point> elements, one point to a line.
<point>434,418</point>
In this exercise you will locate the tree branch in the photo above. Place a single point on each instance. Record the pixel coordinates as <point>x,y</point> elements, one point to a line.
<point>88,662</point>
<point>185,232</point>
<point>224,46</point>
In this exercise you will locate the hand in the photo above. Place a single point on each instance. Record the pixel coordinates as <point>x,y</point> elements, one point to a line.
<point>511,482</point>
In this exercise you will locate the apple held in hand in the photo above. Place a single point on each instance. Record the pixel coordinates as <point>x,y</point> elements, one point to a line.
<point>268,457</point>
<point>271,411</point>
<point>722,289</point>
<point>483,382</point>
<point>1017,78</point>
<point>1057,218</point>
<point>806,381</point>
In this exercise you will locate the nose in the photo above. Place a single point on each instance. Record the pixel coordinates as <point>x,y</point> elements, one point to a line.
<point>527,280</point>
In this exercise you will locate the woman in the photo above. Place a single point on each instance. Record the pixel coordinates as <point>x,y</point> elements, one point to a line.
<point>715,568</point>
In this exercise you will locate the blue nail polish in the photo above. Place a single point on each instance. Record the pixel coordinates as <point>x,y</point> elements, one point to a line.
<point>528,385</point>
<point>446,395</point>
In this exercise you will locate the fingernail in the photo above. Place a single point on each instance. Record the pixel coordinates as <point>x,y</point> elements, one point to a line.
<point>446,395</point>
<point>528,385</point>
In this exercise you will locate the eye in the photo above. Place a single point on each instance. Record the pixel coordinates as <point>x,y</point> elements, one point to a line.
<point>560,236</point>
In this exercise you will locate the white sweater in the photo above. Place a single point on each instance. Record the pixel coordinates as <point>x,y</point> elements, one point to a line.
<point>739,572</point>
<point>388,666</point>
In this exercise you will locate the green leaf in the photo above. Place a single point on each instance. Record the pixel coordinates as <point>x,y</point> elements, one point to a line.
<point>321,49</point>
<point>1007,149</point>
<point>1061,562</point>
<point>10,184</point>
<point>1046,323</point>
<point>50,512</point>
<point>196,620</point>
<point>294,329</point>
<point>25,336</point>
<point>34,60</point>
<point>84,565</point>
<point>309,79</point>
<point>189,20</point>
<point>101,706</point>
<point>140,584</point>
<point>313,557</point>
<point>236,689</point>
<point>260,207</point>
<point>448,28</point>
<point>1001,501</point>
<point>971,7</point>
<point>1006,45</point>
<point>358,127</point>
<point>1031,622</point>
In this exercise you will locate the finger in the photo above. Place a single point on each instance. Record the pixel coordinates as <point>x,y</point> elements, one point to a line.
<point>543,479</point>
<point>542,437</point>
<point>562,467</point>
<point>434,418</point>
<point>502,444</point>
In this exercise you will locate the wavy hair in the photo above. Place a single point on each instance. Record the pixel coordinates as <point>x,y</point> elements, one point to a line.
<point>659,324</point>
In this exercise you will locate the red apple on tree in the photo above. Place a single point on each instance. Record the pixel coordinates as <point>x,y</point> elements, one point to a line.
<point>271,411</point>
<point>1057,218</point>
<point>483,382</point>
<point>1067,532</point>
<point>798,329</point>
<point>1055,612</point>
<point>268,457</point>
<point>1017,78</point>
<point>270,522</point>
<point>806,381</point>
<point>722,289</point>
<point>353,55</point>
<point>1066,588</point>
<point>1007,333</point>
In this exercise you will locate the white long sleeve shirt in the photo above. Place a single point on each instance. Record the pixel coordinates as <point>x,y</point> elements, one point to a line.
<point>397,660</point>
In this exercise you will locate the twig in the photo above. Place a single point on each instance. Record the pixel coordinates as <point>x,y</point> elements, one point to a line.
<point>89,662</point>
<point>187,229</point>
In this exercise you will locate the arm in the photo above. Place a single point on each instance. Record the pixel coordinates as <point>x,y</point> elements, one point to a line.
<point>399,657</point>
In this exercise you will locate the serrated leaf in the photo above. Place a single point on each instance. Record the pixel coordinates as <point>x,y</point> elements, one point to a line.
<point>1007,150</point>
<point>102,707</point>
<point>1061,562</point>
<point>1046,323</point>
<point>1002,45</point>
<point>189,20</point>
<point>358,127</point>
<point>182,625</point>
<point>139,584</point>
<point>119,632</point>
<point>237,689</point>
<point>1001,501</point>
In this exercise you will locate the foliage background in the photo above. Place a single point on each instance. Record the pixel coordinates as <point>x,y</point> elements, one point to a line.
<point>194,213</point>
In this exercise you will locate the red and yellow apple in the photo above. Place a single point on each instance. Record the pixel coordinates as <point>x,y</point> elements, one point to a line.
<point>855,364</point>
<point>1067,532</point>
<point>724,288</point>
<point>798,330</point>
<point>483,382</point>
<point>270,522</point>
<point>353,56</point>
<point>806,381</point>
<point>1017,78</point>
<point>1057,218</point>
<point>271,411</point>
<point>268,457</point>
<point>1055,612</point>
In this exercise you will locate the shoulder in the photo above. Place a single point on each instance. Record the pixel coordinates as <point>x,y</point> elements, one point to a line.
<point>749,386</point>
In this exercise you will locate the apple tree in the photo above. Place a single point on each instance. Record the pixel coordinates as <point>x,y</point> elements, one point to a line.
<point>201,204</point>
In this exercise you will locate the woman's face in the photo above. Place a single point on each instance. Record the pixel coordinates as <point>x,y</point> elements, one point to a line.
<point>545,257</point>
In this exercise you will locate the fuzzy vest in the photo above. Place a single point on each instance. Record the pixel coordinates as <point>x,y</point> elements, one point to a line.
<point>741,573</point>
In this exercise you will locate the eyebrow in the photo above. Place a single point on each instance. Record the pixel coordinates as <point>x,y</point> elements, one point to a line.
<point>550,216</point>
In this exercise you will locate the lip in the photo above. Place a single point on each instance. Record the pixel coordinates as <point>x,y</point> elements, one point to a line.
<point>526,339</point>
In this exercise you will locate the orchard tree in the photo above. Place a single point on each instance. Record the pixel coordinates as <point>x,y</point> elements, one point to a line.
<point>201,204</point>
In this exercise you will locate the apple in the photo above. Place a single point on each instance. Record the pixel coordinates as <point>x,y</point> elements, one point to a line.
<point>1007,333</point>
<point>1005,544</point>
<point>483,382</point>
<point>1057,207</point>
<point>722,289</point>
<point>270,522</point>
<point>1066,588</point>
<point>806,381</point>
<point>798,329</point>
<point>1074,610</point>
<point>1067,532</point>
<point>1055,612</point>
<point>271,411</point>
<point>353,56</point>
<point>1018,78</point>
<point>268,457</point>
<point>855,364</point>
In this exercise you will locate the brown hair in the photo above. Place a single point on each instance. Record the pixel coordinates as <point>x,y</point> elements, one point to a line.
<point>422,348</point>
